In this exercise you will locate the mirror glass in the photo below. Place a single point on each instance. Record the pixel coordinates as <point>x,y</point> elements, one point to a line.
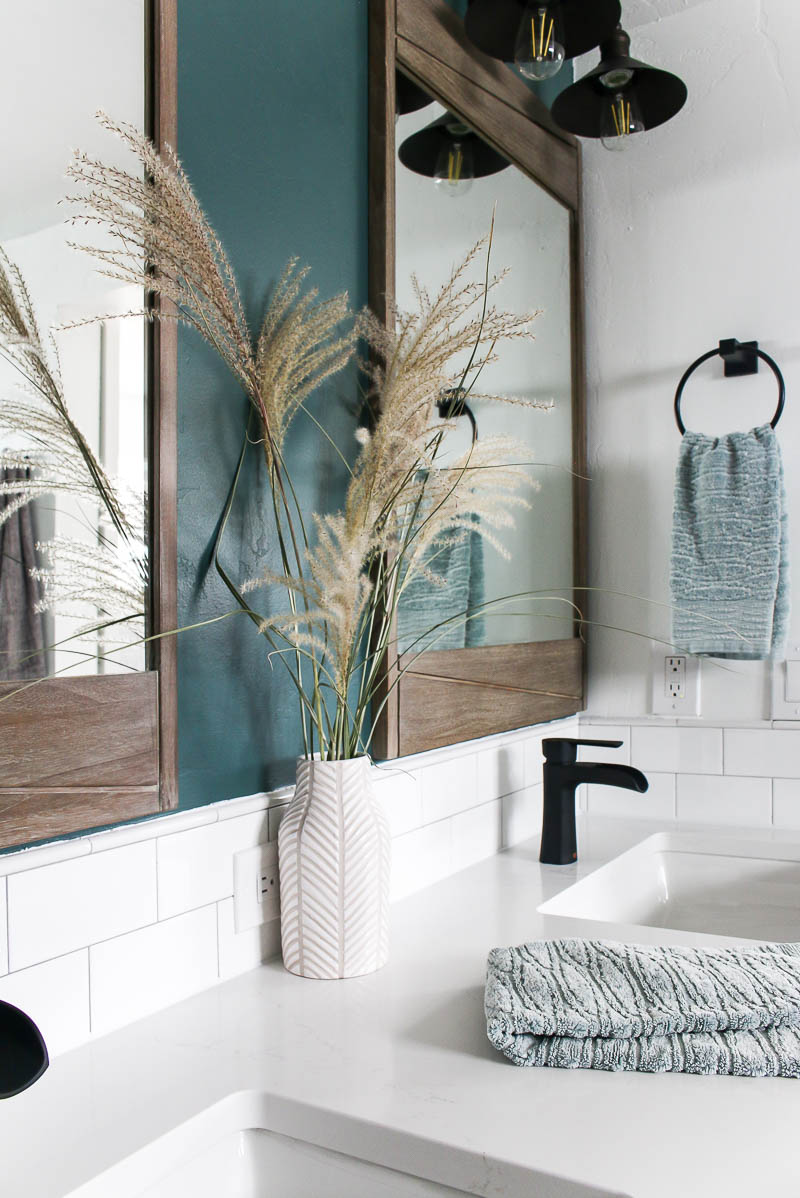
<point>436,225</point>
<point>65,566</point>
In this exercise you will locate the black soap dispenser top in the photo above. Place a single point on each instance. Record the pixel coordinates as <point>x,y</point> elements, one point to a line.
<point>23,1052</point>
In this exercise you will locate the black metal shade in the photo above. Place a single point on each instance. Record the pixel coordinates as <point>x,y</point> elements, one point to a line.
<point>410,96</point>
<point>420,151</point>
<point>659,94</point>
<point>492,25</point>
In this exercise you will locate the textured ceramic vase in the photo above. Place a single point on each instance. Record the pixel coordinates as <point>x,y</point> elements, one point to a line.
<point>334,855</point>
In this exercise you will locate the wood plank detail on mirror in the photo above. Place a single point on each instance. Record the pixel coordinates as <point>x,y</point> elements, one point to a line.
<point>80,752</point>
<point>461,693</point>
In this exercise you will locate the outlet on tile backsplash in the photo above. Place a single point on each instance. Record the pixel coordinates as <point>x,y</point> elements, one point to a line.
<point>102,930</point>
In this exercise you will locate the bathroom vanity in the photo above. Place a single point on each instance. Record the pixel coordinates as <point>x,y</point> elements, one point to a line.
<point>265,1079</point>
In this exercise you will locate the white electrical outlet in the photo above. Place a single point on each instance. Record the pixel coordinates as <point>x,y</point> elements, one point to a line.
<point>256,897</point>
<point>676,683</point>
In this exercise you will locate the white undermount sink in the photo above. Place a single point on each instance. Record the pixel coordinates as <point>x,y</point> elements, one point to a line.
<point>701,885</point>
<point>254,1145</point>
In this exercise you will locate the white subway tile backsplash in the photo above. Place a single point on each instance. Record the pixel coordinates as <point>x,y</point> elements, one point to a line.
<point>675,750</point>
<point>421,858</point>
<point>196,867</point>
<point>3,928</point>
<point>399,793</point>
<point>59,908</point>
<point>56,996</point>
<point>449,787</point>
<point>134,975</point>
<point>534,758</point>
<point>522,815</point>
<point>657,802</point>
<point>476,834</point>
<point>45,854</point>
<point>769,753</point>
<point>276,814</point>
<point>786,802</point>
<point>501,771</point>
<point>242,951</point>
<point>724,800</point>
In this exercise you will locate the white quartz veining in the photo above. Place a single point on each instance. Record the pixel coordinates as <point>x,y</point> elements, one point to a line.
<point>406,1051</point>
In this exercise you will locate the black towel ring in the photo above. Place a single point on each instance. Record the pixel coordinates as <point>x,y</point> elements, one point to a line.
<point>739,359</point>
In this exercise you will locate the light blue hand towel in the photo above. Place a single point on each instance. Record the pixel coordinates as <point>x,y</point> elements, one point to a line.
<point>595,1004</point>
<point>730,547</point>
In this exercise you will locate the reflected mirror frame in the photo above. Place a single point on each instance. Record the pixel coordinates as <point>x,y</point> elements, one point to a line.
<point>82,752</point>
<point>456,695</point>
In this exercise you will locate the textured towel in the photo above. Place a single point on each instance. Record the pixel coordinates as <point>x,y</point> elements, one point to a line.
<point>450,584</point>
<point>730,546</point>
<point>591,1004</point>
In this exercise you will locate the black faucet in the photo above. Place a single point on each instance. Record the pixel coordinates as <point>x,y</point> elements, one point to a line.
<point>562,772</point>
<point>23,1053</point>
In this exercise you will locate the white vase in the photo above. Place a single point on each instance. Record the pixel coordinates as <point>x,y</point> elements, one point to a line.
<point>334,856</point>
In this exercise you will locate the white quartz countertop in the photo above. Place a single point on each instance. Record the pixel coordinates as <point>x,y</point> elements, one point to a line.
<point>406,1049</point>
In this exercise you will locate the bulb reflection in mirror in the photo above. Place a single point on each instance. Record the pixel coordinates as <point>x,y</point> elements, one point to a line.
<point>539,53</point>
<point>455,169</point>
<point>620,120</point>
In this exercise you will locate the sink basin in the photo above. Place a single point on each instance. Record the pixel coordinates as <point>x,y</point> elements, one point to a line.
<point>257,1146</point>
<point>701,885</point>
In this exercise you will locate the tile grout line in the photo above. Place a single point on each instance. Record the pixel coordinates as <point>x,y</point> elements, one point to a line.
<point>89,979</point>
<point>8,929</point>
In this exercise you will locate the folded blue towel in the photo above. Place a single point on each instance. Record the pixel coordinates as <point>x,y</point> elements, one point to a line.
<point>593,1004</point>
<point>730,547</point>
<point>451,584</point>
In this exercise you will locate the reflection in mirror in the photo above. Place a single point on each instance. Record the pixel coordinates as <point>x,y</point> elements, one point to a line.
<point>72,422</point>
<point>436,222</point>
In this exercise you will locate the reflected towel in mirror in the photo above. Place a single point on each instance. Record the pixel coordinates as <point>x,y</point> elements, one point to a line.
<point>22,628</point>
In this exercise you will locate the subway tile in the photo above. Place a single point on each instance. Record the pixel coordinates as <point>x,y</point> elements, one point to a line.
<point>501,770</point>
<point>240,952</point>
<point>449,787</point>
<point>534,759</point>
<point>674,750</point>
<point>476,834</point>
<point>47,854</point>
<point>421,858</point>
<point>3,928</point>
<point>522,815</point>
<point>56,996</point>
<point>657,802</point>
<point>250,804</point>
<point>606,732</point>
<point>724,800</point>
<point>59,908</point>
<point>399,793</point>
<point>151,829</point>
<point>196,867</point>
<point>786,802</point>
<point>135,975</point>
<point>768,753</point>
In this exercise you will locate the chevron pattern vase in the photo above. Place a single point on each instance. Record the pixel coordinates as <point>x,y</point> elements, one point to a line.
<point>334,855</point>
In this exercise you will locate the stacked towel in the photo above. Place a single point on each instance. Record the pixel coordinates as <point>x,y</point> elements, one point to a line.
<point>450,584</point>
<point>586,1004</point>
<point>730,547</point>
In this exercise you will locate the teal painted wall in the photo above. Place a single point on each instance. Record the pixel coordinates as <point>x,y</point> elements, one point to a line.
<point>273,133</point>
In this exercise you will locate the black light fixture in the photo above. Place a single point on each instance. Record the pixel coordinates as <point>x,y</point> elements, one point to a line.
<point>410,97</point>
<point>619,97</point>
<point>538,35</point>
<point>449,152</point>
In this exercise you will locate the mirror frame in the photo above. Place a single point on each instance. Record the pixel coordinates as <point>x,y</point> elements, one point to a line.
<point>80,752</point>
<point>458,694</point>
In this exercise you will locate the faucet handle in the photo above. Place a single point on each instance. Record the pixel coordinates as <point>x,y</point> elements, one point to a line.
<point>563,750</point>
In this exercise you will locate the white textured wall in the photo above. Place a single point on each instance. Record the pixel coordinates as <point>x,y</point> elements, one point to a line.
<point>692,235</point>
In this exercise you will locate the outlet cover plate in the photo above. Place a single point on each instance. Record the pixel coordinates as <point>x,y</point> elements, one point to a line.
<point>782,679</point>
<point>256,897</point>
<point>662,702</point>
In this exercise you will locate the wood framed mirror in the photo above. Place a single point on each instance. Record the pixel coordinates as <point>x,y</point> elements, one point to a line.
<point>88,736</point>
<point>514,667</point>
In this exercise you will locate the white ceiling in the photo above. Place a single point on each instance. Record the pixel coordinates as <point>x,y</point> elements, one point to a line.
<point>62,60</point>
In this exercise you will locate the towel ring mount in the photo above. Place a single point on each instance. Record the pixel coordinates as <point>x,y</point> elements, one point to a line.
<point>739,358</point>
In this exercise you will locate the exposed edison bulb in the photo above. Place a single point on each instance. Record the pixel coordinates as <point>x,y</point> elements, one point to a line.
<point>619,121</point>
<point>455,166</point>
<point>538,52</point>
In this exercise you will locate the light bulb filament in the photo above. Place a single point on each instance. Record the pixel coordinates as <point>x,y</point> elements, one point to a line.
<point>621,112</point>
<point>454,165</point>
<point>543,50</point>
